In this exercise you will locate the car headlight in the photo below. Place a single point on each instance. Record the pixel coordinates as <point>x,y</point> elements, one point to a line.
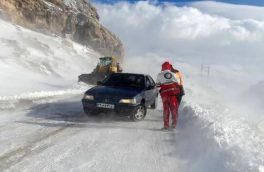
<point>128,101</point>
<point>88,97</point>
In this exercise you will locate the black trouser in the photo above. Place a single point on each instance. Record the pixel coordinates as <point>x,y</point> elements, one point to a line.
<point>182,93</point>
<point>179,98</point>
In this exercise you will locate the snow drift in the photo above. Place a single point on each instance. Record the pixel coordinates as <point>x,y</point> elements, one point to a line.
<point>35,66</point>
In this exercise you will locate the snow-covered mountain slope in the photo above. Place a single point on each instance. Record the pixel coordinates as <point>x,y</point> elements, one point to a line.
<point>33,62</point>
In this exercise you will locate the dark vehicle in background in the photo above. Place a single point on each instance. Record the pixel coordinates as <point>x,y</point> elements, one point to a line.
<point>127,94</point>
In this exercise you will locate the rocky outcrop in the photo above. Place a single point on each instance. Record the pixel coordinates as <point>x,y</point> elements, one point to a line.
<point>77,19</point>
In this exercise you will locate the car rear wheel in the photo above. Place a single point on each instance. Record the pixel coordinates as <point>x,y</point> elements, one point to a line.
<point>139,114</point>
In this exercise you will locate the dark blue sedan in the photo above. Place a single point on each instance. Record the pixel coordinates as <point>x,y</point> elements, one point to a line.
<point>125,93</point>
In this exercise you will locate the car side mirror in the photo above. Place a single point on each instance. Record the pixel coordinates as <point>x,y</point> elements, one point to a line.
<point>99,83</point>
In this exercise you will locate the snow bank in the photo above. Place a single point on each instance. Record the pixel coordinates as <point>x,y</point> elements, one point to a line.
<point>15,101</point>
<point>217,141</point>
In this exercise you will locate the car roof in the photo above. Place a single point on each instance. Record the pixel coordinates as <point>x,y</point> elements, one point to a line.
<point>129,74</point>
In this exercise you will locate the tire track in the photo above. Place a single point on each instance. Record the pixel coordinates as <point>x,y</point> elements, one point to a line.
<point>13,157</point>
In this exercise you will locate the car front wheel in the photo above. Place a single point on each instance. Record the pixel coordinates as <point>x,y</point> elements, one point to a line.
<point>139,114</point>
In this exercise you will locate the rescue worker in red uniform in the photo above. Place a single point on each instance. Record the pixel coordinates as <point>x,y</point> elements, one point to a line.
<point>169,89</point>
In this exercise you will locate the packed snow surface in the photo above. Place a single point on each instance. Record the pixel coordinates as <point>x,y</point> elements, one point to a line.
<point>43,127</point>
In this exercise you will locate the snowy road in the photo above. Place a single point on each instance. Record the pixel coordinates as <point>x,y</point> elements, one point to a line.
<point>53,134</point>
<point>58,136</point>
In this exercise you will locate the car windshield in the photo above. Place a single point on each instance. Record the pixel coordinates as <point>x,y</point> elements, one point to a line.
<point>125,80</point>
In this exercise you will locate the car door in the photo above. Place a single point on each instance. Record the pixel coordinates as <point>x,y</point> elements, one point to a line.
<point>151,90</point>
<point>155,91</point>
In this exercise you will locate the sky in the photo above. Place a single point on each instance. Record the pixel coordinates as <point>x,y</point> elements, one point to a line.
<point>243,2</point>
<point>202,32</point>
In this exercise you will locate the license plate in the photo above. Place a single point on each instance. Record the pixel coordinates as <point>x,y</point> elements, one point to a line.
<point>106,106</point>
